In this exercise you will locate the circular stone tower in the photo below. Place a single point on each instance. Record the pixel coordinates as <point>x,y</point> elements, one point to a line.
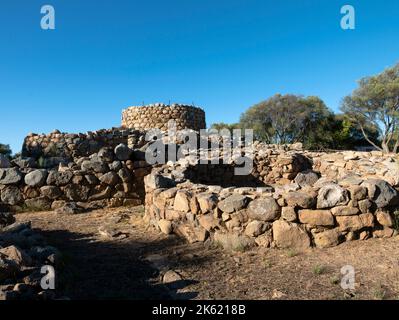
<point>158,115</point>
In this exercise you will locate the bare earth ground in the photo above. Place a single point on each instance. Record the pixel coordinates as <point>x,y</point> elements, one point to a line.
<point>130,266</point>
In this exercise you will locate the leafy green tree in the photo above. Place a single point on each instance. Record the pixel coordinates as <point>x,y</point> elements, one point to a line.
<point>5,150</point>
<point>375,103</point>
<point>347,136</point>
<point>289,118</point>
<point>221,125</point>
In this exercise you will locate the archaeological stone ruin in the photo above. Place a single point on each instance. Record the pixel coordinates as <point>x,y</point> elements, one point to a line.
<point>292,198</point>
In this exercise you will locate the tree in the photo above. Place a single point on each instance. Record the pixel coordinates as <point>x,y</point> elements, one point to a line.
<point>289,118</point>
<point>221,125</point>
<point>5,150</point>
<point>375,103</point>
<point>346,135</point>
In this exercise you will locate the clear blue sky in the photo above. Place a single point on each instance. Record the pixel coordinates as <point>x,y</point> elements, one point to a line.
<point>224,55</point>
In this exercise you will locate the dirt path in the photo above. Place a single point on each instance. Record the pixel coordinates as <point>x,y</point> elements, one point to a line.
<point>131,264</point>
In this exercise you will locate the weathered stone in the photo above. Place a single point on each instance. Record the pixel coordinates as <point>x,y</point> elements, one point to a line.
<point>383,233</point>
<point>255,228</point>
<point>344,211</point>
<point>208,222</point>
<point>264,209</point>
<point>156,181</point>
<point>91,179</point>
<point>36,178</point>
<point>51,192</point>
<point>299,199</point>
<point>59,178</point>
<point>165,226</point>
<point>69,208</point>
<point>75,192</point>
<point>288,214</point>
<point>172,279</point>
<point>384,219</point>
<point>4,162</point>
<point>332,195</point>
<point>357,192</point>
<point>207,201</point>
<point>109,178</point>
<point>115,166</point>
<point>58,204</point>
<point>192,234</point>
<point>316,217</point>
<point>182,201</point>
<point>381,192</point>
<point>264,240</point>
<point>355,223</point>
<point>307,178</point>
<point>125,175</point>
<point>106,154</point>
<point>18,256</point>
<point>10,176</point>
<point>123,152</point>
<point>38,204</point>
<point>350,181</point>
<point>96,165</point>
<point>233,203</point>
<point>365,205</point>
<point>11,195</point>
<point>328,238</point>
<point>290,235</point>
<point>232,241</point>
<point>30,192</point>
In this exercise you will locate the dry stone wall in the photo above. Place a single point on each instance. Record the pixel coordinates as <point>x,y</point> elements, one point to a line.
<point>298,210</point>
<point>158,116</point>
<point>108,178</point>
<point>57,147</point>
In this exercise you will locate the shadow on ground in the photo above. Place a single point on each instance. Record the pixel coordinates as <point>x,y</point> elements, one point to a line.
<point>92,269</point>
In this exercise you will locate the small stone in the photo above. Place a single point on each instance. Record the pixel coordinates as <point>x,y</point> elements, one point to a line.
<point>307,178</point>
<point>328,238</point>
<point>207,202</point>
<point>290,235</point>
<point>233,203</point>
<point>355,223</point>
<point>165,226</point>
<point>332,195</point>
<point>264,209</point>
<point>316,217</point>
<point>288,214</point>
<point>109,178</point>
<point>69,208</point>
<point>123,152</point>
<point>344,211</point>
<point>299,199</point>
<point>10,176</point>
<point>182,201</point>
<point>384,219</point>
<point>36,178</point>
<point>255,228</point>
<point>171,277</point>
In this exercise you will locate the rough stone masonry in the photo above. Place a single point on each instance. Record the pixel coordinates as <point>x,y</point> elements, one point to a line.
<point>292,198</point>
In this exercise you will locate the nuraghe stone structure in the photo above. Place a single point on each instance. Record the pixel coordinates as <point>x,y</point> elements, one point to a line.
<point>292,198</point>
<point>158,116</point>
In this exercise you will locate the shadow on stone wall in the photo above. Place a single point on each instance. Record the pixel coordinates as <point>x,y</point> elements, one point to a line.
<point>222,175</point>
